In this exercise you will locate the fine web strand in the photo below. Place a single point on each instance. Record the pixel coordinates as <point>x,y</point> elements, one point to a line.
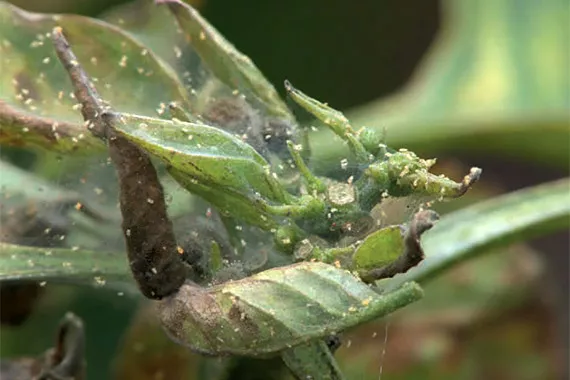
<point>384,345</point>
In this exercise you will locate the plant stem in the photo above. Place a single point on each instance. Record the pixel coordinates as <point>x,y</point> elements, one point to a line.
<point>312,360</point>
<point>151,244</point>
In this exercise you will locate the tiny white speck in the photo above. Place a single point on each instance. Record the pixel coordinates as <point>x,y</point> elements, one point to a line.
<point>123,61</point>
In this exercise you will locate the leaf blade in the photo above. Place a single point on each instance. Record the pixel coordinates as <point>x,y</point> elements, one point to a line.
<point>83,267</point>
<point>37,108</point>
<point>208,155</point>
<point>512,217</point>
<point>275,309</point>
<point>228,64</point>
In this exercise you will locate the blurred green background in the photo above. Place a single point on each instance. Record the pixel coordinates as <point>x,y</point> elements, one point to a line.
<point>473,82</point>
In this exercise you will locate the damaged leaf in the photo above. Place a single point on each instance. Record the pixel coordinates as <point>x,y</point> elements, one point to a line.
<point>149,235</point>
<point>275,309</point>
<point>66,360</point>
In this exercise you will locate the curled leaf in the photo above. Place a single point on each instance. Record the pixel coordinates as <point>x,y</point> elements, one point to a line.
<point>66,360</point>
<point>412,254</point>
<point>206,154</point>
<point>475,229</point>
<point>398,173</point>
<point>275,309</point>
<point>403,173</point>
<point>383,253</point>
<point>150,240</point>
<point>379,249</point>
<point>335,120</point>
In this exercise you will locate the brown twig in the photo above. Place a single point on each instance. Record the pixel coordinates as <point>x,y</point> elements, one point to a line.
<point>413,253</point>
<point>92,106</point>
<point>151,244</point>
<point>468,181</point>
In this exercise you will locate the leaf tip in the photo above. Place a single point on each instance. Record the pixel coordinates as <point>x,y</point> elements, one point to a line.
<point>469,180</point>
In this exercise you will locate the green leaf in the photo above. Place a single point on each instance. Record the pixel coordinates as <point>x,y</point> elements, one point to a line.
<point>313,360</point>
<point>227,202</point>
<point>36,106</point>
<point>156,29</point>
<point>27,200</point>
<point>276,309</point>
<point>476,229</point>
<point>399,173</point>
<point>513,217</point>
<point>227,64</point>
<point>335,120</point>
<point>17,183</point>
<point>379,249</point>
<point>79,266</point>
<point>207,161</point>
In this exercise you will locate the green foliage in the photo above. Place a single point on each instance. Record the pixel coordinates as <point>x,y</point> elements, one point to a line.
<point>375,250</point>
<point>227,144</point>
<point>227,64</point>
<point>34,83</point>
<point>204,156</point>
<point>64,265</point>
<point>275,309</point>
<point>484,226</point>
